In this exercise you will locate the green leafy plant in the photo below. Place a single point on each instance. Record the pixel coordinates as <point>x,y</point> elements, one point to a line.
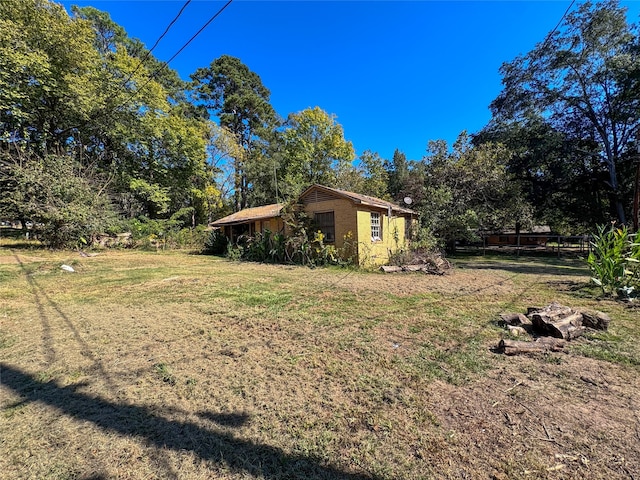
<point>615,261</point>
<point>234,252</point>
<point>304,244</point>
<point>164,372</point>
<point>216,243</point>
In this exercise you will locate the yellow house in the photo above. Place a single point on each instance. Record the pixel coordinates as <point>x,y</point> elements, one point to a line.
<point>370,227</point>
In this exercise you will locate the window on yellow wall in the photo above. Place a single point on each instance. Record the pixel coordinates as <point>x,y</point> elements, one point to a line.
<point>376,227</point>
<point>326,224</point>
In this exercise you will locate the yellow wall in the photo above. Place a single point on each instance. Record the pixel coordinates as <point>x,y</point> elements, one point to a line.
<point>349,220</point>
<point>356,225</point>
<point>377,252</point>
<point>344,216</point>
<point>274,225</point>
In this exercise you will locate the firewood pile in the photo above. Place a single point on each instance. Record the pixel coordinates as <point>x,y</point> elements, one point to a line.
<point>430,263</point>
<point>551,326</point>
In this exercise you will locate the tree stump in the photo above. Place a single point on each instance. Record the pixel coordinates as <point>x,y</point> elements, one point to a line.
<point>595,319</point>
<point>567,327</point>
<point>515,319</point>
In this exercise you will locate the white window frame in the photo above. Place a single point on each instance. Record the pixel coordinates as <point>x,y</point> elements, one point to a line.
<point>376,227</point>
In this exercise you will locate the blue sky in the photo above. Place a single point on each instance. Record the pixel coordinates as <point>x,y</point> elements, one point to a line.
<point>396,74</point>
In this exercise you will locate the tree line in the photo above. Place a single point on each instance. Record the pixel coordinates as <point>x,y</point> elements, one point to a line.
<point>98,136</point>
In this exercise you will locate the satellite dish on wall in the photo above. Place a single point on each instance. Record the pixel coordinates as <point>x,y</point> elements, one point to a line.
<point>408,200</point>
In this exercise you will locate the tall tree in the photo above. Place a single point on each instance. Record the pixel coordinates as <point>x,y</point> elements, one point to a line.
<point>49,76</point>
<point>565,187</point>
<point>469,189</point>
<point>398,173</point>
<point>70,87</point>
<point>584,81</point>
<point>376,177</point>
<point>314,150</point>
<point>236,95</point>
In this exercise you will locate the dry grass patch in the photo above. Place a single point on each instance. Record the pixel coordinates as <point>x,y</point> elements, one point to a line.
<point>168,365</point>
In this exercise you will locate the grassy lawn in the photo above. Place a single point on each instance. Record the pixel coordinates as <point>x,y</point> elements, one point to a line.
<point>169,365</point>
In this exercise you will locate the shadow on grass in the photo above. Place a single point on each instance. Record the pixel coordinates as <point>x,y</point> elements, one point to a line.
<point>236,454</point>
<point>518,266</point>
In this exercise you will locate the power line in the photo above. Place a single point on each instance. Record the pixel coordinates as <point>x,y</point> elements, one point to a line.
<point>200,31</point>
<point>166,63</point>
<point>544,44</point>
<point>146,56</point>
<point>170,25</point>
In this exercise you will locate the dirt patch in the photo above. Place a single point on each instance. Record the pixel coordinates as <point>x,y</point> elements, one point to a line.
<point>575,419</point>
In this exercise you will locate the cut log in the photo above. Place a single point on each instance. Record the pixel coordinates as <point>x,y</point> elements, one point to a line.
<point>555,344</point>
<point>532,310</point>
<point>413,268</point>
<point>390,268</point>
<point>567,328</point>
<point>514,347</point>
<point>553,310</point>
<point>595,319</point>
<point>515,319</point>
<point>431,271</point>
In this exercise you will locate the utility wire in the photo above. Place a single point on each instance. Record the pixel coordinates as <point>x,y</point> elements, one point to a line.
<point>148,53</point>
<point>166,64</point>
<point>170,25</point>
<point>146,56</point>
<point>200,31</point>
<point>546,40</point>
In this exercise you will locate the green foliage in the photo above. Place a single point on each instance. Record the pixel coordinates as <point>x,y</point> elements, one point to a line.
<point>265,247</point>
<point>583,82</point>
<point>65,201</point>
<point>236,95</point>
<point>166,234</point>
<point>156,197</point>
<point>375,178</point>
<point>216,243</point>
<point>543,160</point>
<point>469,189</point>
<point>398,174</point>
<point>74,87</point>
<point>49,75</point>
<point>615,261</point>
<point>303,245</point>
<point>425,240</point>
<point>315,150</point>
<point>234,252</point>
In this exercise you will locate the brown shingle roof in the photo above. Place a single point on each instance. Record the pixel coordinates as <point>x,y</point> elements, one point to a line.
<point>361,199</point>
<point>273,210</point>
<point>249,215</point>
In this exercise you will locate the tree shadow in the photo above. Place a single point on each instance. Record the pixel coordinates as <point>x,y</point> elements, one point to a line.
<point>47,336</point>
<point>42,300</point>
<point>529,269</point>
<point>226,419</point>
<point>234,453</point>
